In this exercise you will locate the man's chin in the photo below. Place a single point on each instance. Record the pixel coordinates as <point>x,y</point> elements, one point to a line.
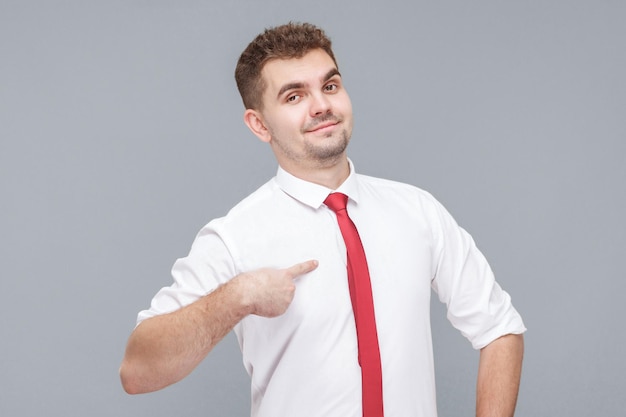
<point>329,151</point>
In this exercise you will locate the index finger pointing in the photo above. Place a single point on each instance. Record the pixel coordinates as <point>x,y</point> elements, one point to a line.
<point>302,268</point>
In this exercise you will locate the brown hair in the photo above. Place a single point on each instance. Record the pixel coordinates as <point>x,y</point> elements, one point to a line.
<point>293,40</point>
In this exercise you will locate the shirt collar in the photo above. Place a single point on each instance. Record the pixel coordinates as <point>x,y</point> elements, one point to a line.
<point>312,194</point>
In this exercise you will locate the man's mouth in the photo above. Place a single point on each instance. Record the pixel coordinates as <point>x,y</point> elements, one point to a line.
<point>325,122</point>
<point>322,126</point>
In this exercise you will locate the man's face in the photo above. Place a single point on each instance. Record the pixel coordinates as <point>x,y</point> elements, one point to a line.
<point>306,111</point>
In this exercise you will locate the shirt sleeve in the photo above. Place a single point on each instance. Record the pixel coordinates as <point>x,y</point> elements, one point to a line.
<point>208,264</point>
<point>477,306</point>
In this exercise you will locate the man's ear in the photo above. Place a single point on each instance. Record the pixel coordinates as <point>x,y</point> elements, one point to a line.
<point>255,123</point>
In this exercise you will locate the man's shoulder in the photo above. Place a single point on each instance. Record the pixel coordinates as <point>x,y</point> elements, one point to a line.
<point>383,185</point>
<point>248,213</point>
<point>257,201</point>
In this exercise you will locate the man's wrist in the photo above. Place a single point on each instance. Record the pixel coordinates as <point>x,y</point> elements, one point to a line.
<point>242,294</point>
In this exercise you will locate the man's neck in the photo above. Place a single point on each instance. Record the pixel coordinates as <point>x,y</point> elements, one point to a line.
<point>329,175</point>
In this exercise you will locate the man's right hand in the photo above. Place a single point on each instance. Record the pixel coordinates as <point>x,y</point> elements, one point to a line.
<point>164,349</point>
<point>269,292</point>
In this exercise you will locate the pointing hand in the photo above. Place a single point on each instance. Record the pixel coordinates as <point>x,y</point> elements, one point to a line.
<point>269,292</point>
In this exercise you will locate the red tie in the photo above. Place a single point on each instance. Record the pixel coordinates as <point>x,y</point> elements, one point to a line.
<point>363,308</point>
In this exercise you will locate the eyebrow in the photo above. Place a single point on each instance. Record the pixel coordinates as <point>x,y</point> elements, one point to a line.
<point>295,85</point>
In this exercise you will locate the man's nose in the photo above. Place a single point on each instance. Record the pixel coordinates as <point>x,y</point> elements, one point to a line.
<point>320,104</point>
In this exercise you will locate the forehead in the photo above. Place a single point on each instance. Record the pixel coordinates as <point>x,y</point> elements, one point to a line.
<point>307,70</point>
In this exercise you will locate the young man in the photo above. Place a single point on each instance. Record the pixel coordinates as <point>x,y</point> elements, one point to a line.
<point>281,270</point>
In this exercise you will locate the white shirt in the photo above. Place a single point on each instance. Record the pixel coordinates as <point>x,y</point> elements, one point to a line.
<point>304,363</point>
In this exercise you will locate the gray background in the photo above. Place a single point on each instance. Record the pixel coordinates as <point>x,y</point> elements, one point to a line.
<point>121,135</point>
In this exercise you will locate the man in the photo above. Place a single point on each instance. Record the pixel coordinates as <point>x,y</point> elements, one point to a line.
<point>274,269</point>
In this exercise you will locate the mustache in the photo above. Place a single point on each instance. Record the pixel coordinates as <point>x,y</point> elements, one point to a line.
<point>326,117</point>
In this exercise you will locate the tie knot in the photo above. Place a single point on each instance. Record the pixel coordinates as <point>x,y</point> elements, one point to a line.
<point>336,201</point>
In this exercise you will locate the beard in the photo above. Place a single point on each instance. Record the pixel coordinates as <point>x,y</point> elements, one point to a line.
<point>321,152</point>
<point>330,150</point>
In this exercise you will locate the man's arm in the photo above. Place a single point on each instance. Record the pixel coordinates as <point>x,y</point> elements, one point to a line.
<point>163,350</point>
<point>499,373</point>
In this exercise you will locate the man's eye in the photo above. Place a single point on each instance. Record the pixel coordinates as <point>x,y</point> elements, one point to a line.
<point>330,87</point>
<point>293,98</point>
